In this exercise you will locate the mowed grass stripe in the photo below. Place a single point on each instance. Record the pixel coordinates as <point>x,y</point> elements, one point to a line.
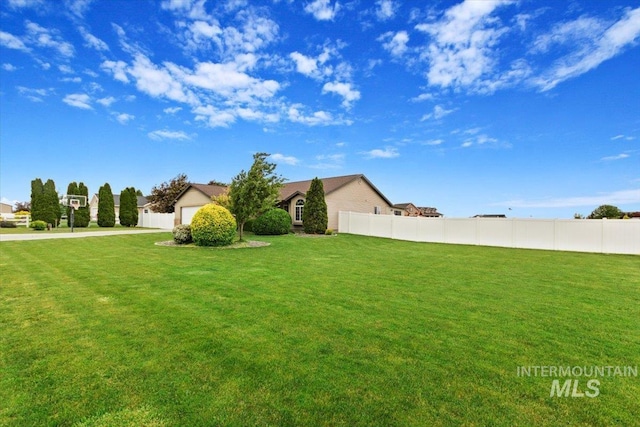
<point>343,330</point>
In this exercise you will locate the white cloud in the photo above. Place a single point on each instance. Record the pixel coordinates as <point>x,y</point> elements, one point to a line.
<point>213,116</point>
<point>304,64</point>
<point>387,153</point>
<point>386,9</point>
<point>395,44</point>
<point>461,51</point>
<point>329,161</point>
<point>34,95</point>
<point>345,90</point>
<point>422,97</point>
<point>124,118</point>
<point>12,42</point>
<point>438,112</point>
<point>593,42</point>
<point>319,118</point>
<point>9,67</point>
<point>92,41</point>
<point>281,158</point>
<point>78,100</point>
<point>172,110</point>
<point>617,157</point>
<point>106,101</point>
<point>15,4</point>
<point>433,142</point>
<point>160,135</point>
<point>322,10</point>
<point>43,37</point>
<point>78,7</point>
<point>620,197</point>
<point>159,82</point>
<point>117,68</point>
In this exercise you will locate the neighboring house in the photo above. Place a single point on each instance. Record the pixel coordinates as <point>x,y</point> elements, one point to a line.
<point>143,206</point>
<point>5,208</point>
<point>406,209</point>
<point>353,193</point>
<point>430,212</point>
<point>193,197</point>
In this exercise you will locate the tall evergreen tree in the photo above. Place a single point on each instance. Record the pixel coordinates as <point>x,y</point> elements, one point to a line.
<point>72,188</point>
<point>83,214</point>
<point>128,207</point>
<point>37,200</point>
<point>314,215</point>
<point>106,207</point>
<point>52,210</point>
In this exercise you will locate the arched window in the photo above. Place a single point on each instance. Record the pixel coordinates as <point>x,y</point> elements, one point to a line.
<point>299,208</point>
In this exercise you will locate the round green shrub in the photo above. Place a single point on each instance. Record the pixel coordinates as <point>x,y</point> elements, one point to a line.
<point>182,234</point>
<point>213,225</point>
<point>38,225</point>
<point>273,222</point>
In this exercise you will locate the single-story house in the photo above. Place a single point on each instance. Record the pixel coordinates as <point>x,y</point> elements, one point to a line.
<point>353,193</point>
<point>342,193</point>
<point>5,208</point>
<point>193,197</point>
<point>143,206</point>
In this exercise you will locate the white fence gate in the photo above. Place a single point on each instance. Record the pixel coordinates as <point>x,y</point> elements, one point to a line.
<point>616,236</point>
<point>156,220</point>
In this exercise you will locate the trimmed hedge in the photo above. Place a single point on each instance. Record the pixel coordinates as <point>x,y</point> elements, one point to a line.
<point>213,225</point>
<point>182,234</point>
<point>273,222</point>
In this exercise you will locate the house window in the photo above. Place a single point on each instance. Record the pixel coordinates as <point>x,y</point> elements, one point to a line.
<point>299,209</point>
<point>397,213</point>
<point>377,210</point>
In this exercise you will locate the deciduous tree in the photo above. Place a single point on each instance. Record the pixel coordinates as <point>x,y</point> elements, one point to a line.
<point>606,211</point>
<point>163,196</point>
<point>253,192</point>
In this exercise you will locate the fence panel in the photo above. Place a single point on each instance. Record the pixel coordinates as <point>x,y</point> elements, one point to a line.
<point>607,236</point>
<point>156,220</point>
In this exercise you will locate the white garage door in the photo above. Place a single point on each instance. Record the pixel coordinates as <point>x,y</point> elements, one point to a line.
<point>187,213</point>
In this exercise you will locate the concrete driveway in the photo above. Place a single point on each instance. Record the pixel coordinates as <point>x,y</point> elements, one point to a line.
<point>78,235</point>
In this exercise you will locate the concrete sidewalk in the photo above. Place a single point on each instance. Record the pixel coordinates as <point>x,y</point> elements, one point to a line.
<point>45,235</point>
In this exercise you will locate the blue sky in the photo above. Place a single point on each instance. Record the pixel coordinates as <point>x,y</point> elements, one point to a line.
<point>528,108</point>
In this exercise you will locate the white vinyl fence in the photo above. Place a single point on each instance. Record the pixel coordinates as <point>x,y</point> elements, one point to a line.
<point>156,220</point>
<point>615,236</point>
<point>24,220</point>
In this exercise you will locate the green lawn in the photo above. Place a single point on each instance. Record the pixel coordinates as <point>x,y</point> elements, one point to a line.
<point>64,229</point>
<point>336,331</point>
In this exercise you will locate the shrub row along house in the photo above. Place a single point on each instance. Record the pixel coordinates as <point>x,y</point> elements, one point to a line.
<point>353,193</point>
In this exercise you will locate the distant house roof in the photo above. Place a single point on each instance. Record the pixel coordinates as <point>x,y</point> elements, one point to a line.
<point>141,200</point>
<point>402,205</point>
<point>429,211</point>
<point>291,189</point>
<point>206,189</point>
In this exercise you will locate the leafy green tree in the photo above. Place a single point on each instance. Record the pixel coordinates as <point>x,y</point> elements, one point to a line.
<point>128,207</point>
<point>52,211</point>
<point>106,207</point>
<point>314,215</point>
<point>37,200</point>
<point>254,192</point>
<point>606,211</point>
<point>162,197</point>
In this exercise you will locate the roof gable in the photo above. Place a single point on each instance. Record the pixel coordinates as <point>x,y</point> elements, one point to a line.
<point>331,184</point>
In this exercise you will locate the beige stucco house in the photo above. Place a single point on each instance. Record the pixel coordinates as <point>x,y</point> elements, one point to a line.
<point>192,198</point>
<point>353,193</point>
<point>5,208</point>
